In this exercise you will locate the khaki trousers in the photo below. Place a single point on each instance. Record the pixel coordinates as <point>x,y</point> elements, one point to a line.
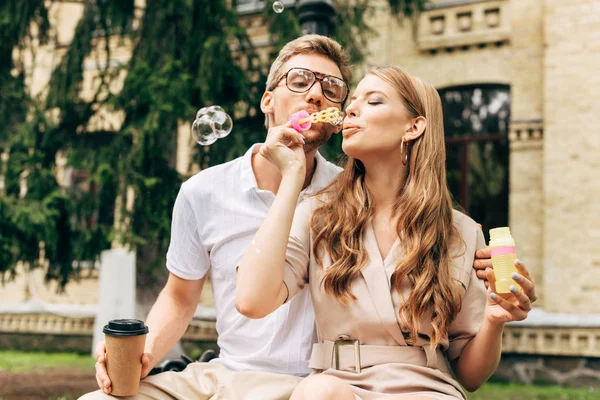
<point>204,381</point>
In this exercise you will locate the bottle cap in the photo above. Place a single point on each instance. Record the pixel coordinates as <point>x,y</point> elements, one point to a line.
<point>499,232</point>
<point>125,327</point>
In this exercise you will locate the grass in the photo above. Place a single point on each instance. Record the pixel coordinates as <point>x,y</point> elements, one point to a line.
<point>18,361</point>
<point>512,391</point>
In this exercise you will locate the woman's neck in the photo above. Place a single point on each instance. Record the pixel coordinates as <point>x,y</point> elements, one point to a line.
<point>384,180</point>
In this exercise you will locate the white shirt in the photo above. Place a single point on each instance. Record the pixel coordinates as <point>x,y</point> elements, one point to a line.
<point>216,215</point>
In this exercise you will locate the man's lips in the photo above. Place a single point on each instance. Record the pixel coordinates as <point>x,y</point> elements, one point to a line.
<point>309,110</point>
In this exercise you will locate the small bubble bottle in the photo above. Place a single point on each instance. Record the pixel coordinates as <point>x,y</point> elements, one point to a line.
<point>502,246</point>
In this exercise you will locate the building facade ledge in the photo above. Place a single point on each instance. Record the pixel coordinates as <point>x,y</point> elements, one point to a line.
<point>462,24</point>
<point>523,132</point>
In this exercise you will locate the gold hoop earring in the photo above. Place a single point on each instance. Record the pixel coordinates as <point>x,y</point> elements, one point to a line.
<point>404,152</point>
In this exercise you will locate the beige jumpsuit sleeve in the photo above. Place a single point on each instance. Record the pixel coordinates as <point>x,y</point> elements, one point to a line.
<point>468,321</point>
<point>297,257</point>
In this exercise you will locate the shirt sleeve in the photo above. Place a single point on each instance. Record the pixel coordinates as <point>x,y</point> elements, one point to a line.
<point>297,257</point>
<point>468,321</point>
<point>186,258</point>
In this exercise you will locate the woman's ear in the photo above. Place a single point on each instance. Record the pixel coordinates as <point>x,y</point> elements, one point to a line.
<point>416,129</point>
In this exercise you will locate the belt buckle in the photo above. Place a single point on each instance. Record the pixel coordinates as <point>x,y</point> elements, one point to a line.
<point>336,354</point>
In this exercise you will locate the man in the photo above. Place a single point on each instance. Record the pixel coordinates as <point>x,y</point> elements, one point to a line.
<point>215,218</point>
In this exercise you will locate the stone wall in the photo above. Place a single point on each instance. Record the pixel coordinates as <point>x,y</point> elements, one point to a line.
<point>526,201</point>
<point>572,156</point>
<point>526,195</point>
<point>50,332</point>
<point>46,342</point>
<point>45,332</point>
<point>541,370</point>
<point>30,284</point>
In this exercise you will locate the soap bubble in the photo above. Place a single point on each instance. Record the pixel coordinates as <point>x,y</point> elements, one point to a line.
<point>222,122</point>
<point>203,131</point>
<point>223,125</point>
<point>214,109</point>
<point>201,112</point>
<point>211,123</point>
<point>278,7</point>
<point>340,119</point>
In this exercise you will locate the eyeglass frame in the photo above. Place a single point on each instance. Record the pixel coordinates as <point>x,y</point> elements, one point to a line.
<point>313,84</point>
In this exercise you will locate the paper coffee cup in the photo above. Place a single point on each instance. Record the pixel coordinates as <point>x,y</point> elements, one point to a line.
<point>125,340</point>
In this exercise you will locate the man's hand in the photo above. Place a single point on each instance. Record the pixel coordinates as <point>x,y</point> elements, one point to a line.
<point>102,377</point>
<point>483,261</point>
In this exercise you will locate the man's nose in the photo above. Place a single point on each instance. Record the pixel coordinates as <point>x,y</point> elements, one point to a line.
<point>315,94</point>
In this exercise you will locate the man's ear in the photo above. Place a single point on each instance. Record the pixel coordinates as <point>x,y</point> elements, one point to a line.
<point>416,129</point>
<point>266,103</point>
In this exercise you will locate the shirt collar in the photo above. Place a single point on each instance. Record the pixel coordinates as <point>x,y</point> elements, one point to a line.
<point>248,178</point>
<point>319,180</point>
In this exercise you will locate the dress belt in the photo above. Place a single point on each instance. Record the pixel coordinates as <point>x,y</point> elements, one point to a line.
<point>350,355</point>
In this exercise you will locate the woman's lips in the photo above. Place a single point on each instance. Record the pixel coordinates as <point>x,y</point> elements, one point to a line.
<point>347,131</point>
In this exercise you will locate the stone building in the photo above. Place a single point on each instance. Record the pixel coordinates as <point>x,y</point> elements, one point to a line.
<point>543,54</point>
<point>521,95</point>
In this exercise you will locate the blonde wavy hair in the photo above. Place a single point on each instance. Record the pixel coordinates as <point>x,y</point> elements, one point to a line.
<point>425,225</point>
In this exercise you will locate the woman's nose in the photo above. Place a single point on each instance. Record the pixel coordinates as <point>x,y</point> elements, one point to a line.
<point>351,110</point>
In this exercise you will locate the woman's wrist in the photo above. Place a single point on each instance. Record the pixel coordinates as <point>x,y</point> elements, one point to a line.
<point>295,171</point>
<point>493,325</point>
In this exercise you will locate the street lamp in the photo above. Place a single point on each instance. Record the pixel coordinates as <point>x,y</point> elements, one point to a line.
<point>315,16</point>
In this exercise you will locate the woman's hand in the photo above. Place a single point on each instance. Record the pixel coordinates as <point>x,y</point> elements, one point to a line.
<point>284,149</point>
<point>514,306</point>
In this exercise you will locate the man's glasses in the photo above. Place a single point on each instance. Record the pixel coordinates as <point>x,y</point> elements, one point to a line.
<point>300,80</point>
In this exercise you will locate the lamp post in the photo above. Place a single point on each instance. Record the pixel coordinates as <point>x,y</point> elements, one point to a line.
<point>315,16</point>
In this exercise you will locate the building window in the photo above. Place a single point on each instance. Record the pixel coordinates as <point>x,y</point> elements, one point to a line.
<point>476,122</point>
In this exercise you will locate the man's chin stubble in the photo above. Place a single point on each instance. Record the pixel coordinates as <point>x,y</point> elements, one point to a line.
<point>313,144</point>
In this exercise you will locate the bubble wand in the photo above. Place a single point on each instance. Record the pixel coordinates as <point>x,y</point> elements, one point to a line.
<point>302,120</point>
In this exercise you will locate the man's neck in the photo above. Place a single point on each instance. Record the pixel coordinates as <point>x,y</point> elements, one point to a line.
<point>268,176</point>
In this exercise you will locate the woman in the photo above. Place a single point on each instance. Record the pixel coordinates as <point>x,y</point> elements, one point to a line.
<point>387,260</point>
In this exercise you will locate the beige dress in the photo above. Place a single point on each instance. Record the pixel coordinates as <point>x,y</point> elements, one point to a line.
<point>388,365</point>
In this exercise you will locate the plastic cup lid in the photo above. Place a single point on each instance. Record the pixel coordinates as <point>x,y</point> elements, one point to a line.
<point>125,327</point>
